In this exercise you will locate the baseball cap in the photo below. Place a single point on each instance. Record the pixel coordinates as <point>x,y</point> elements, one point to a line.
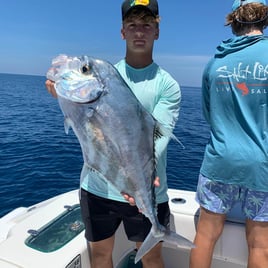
<point>151,5</point>
<point>238,3</point>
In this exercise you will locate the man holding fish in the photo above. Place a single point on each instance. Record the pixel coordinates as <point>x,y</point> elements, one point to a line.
<point>103,204</point>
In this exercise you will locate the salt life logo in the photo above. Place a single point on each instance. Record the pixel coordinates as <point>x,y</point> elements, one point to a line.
<point>243,87</point>
<point>241,73</point>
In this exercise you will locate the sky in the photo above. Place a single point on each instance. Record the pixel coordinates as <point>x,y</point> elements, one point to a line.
<point>33,32</point>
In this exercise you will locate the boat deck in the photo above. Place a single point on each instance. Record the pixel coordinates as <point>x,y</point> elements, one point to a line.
<point>26,239</point>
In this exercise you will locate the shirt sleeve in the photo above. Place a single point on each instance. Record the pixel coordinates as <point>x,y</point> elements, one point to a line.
<point>166,111</point>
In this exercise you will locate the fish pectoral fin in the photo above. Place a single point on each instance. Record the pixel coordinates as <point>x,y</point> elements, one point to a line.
<point>166,236</point>
<point>67,124</point>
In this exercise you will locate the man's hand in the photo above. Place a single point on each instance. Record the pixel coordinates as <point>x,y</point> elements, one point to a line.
<point>50,88</point>
<point>131,199</point>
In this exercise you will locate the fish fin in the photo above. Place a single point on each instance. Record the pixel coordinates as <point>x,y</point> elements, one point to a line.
<point>147,245</point>
<point>166,236</point>
<point>67,124</point>
<point>161,130</point>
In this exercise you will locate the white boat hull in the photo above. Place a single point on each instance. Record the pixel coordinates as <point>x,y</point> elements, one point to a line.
<point>230,251</point>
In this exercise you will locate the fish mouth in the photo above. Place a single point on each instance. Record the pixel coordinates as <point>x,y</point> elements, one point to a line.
<point>98,95</point>
<point>79,96</point>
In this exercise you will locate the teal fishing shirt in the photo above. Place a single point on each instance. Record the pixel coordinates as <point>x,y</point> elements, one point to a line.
<point>235,97</point>
<point>160,94</point>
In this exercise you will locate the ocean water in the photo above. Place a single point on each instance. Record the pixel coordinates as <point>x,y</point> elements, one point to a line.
<point>38,160</point>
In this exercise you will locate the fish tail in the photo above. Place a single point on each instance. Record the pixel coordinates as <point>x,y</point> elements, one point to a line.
<point>165,236</point>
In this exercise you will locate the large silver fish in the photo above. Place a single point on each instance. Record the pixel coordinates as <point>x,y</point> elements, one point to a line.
<point>115,132</point>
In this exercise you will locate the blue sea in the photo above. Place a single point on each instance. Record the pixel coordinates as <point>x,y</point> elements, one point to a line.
<point>38,160</point>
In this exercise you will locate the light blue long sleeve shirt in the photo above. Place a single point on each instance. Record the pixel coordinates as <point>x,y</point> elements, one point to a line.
<point>235,98</point>
<point>160,94</point>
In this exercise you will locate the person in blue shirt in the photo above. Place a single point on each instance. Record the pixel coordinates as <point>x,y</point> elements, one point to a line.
<point>235,164</point>
<point>160,94</point>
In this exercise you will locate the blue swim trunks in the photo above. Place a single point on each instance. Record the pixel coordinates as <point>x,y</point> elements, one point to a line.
<point>220,198</point>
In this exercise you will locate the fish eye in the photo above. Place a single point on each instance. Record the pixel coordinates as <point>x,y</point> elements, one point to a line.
<point>85,69</point>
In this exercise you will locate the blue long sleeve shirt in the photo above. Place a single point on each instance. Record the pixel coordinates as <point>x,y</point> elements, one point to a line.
<point>235,98</point>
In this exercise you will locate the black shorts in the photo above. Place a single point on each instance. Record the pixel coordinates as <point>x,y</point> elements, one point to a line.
<point>103,216</point>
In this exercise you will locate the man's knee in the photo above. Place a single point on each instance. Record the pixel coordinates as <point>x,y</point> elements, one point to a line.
<point>153,258</point>
<point>101,253</point>
<point>257,234</point>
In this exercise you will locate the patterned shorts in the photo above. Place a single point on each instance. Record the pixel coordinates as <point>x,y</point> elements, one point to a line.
<point>220,198</point>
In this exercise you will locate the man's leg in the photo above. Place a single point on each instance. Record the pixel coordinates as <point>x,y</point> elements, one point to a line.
<point>209,229</point>
<point>138,226</point>
<point>153,258</point>
<point>101,253</point>
<point>101,222</point>
<point>257,239</point>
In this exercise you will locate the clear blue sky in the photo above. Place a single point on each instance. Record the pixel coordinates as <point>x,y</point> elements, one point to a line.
<point>33,32</point>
